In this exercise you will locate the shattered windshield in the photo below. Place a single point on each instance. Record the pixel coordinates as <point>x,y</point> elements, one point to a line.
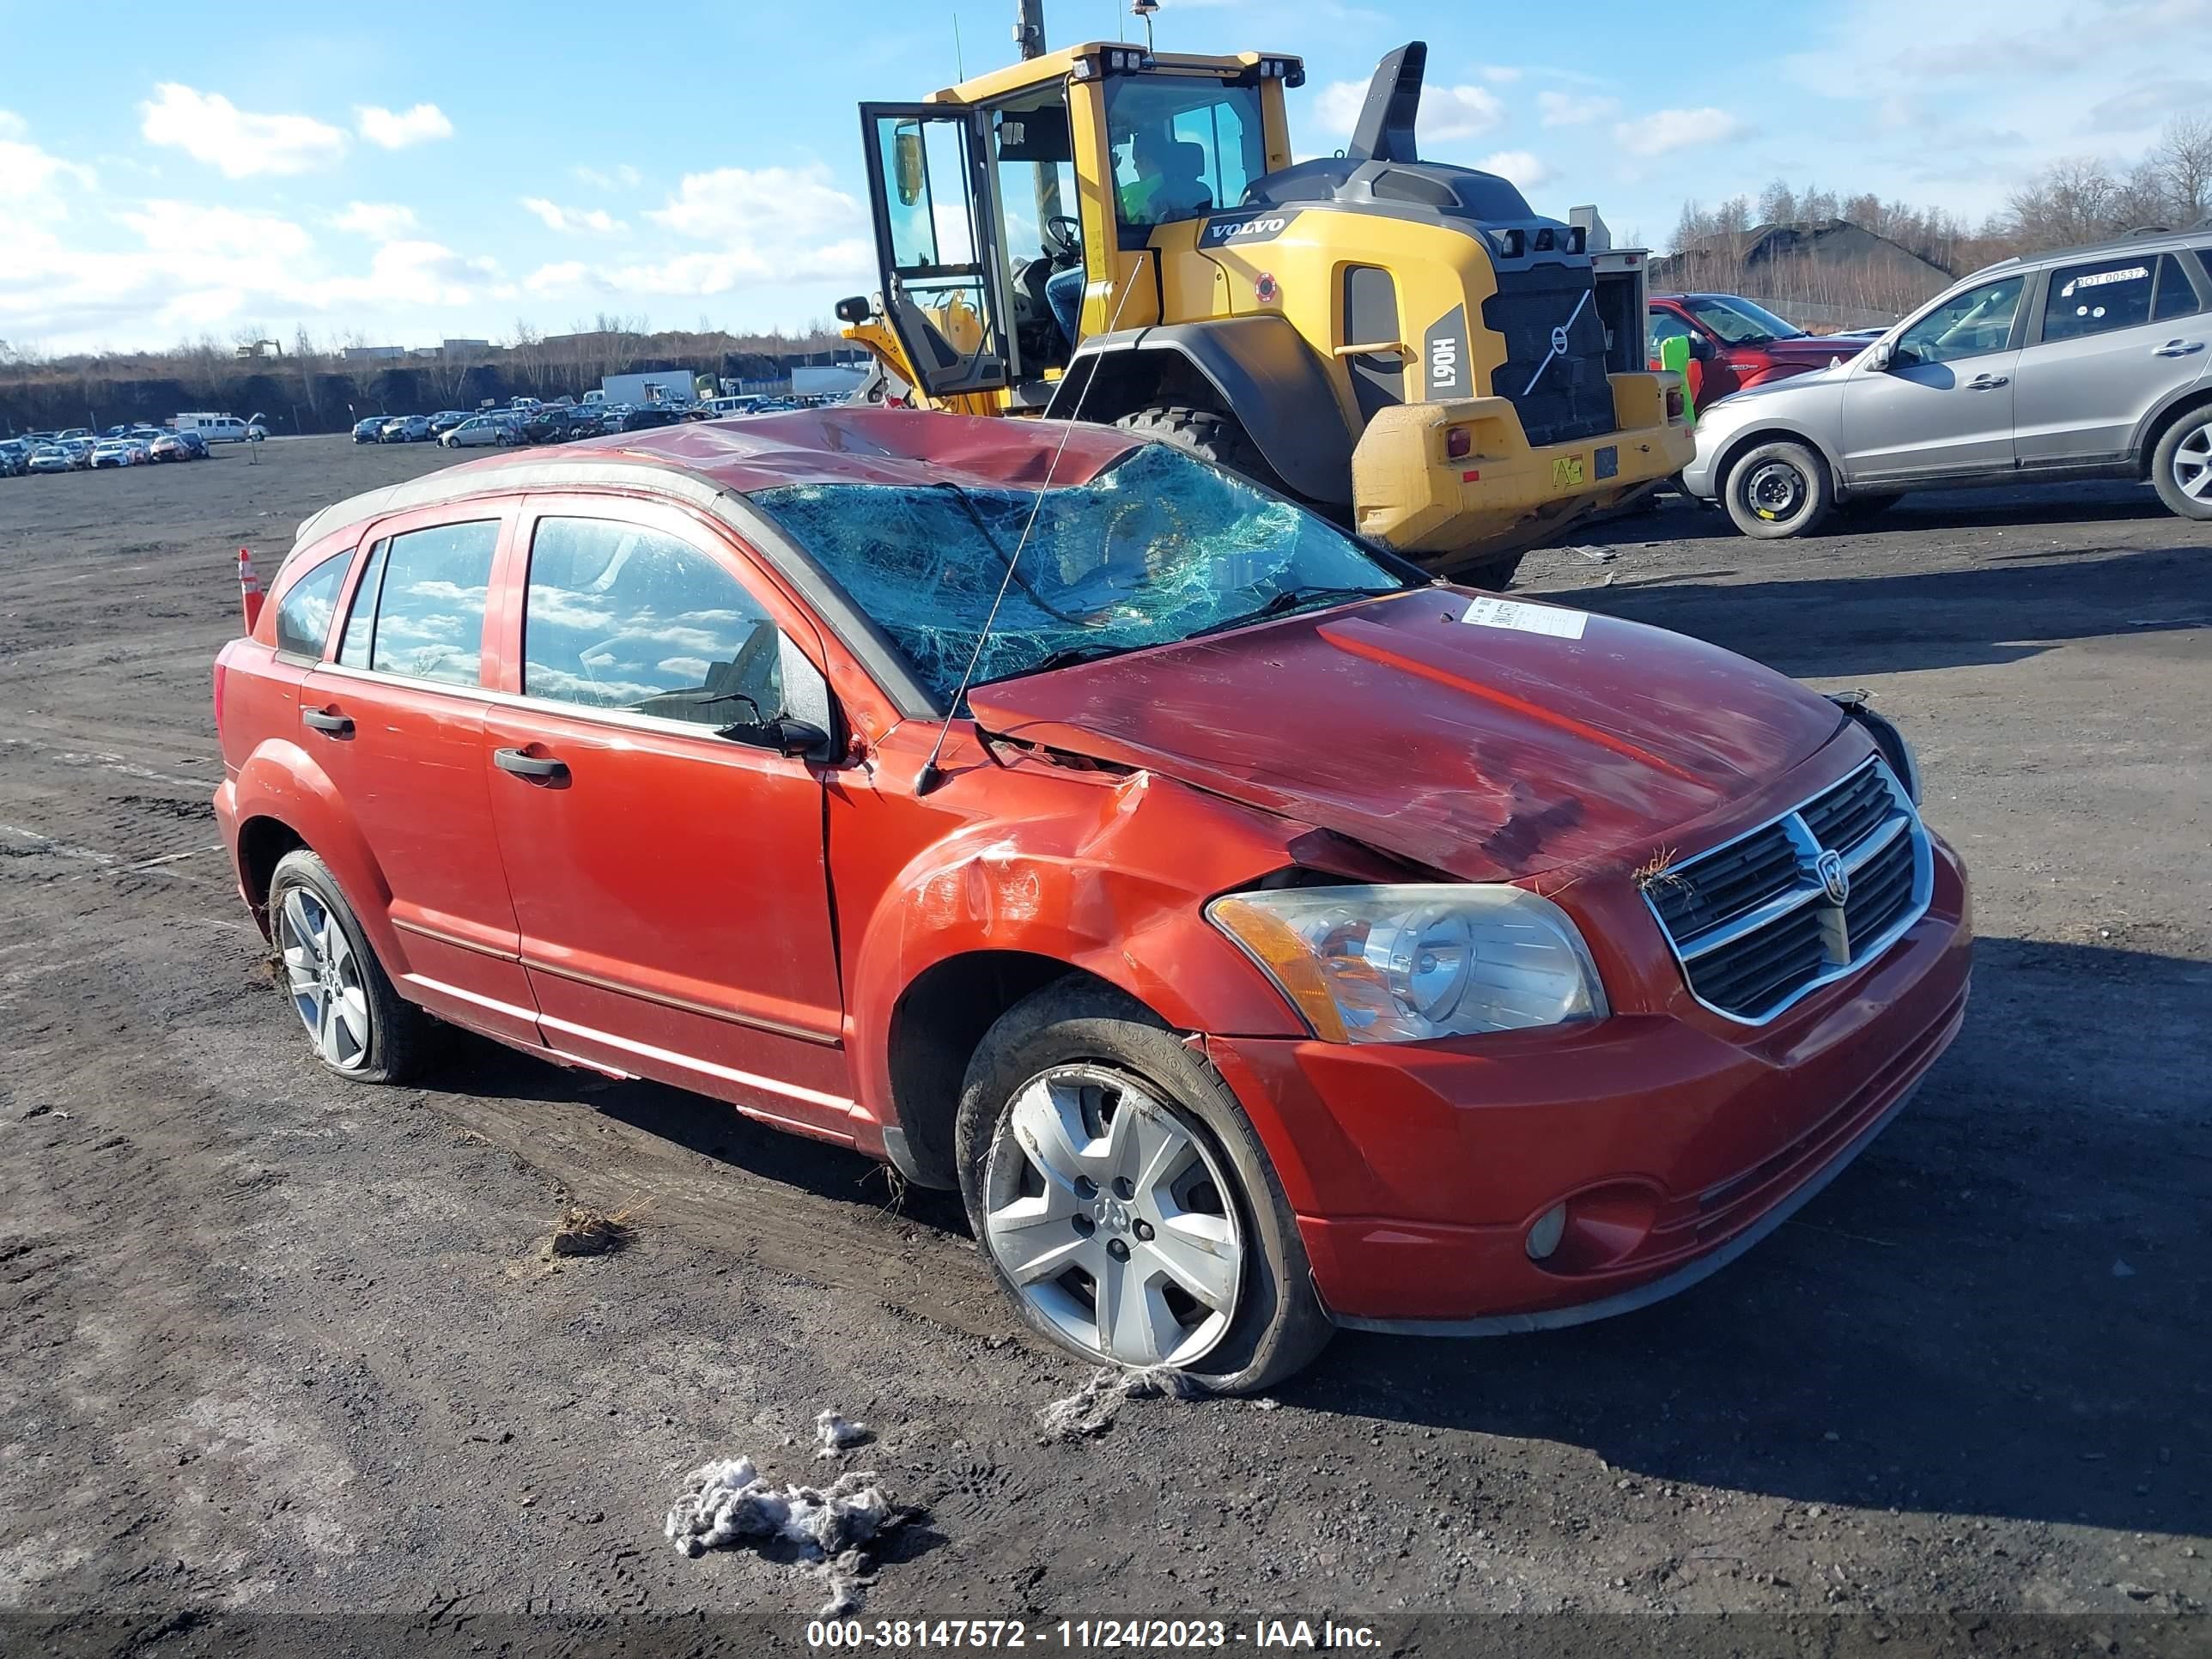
<point>1156,548</point>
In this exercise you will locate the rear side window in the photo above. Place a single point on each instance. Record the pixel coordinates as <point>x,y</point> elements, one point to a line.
<point>2097,299</point>
<point>423,605</point>
<point>2176,298</point>
<point>303,615</point>
<point>618,617</point>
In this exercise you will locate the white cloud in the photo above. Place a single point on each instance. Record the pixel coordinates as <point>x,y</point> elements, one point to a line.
<point>1447,114</point>
<point>1569,109</point>
<point>209,127</point>
<point>738,204</point>
<point>386,221</point>
<point>192,227</point>
<point>564,277</point>
<point>11,124</point>
<point>397,130</point>
<point>1665,131</point>
<point>1502,75</point>
<point>1453,113</point>
<point>1522,167</point>
<point>623,177</point>
<point>572,221</point>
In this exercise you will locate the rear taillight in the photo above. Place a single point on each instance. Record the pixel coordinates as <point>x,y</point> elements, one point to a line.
<point>1459,442</point>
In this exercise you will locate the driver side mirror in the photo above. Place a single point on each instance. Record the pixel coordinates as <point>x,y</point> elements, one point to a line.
<point>909,171</point>
<point>1702,349</point>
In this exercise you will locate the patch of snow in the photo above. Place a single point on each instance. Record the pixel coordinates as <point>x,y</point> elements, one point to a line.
<point>726,1502</point>
<point>1091,1410</point>
<point>835,1433</point>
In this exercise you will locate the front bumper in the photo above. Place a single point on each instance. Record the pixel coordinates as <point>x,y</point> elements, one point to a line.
<point>1674,1140</point>
<point>1409,492</point>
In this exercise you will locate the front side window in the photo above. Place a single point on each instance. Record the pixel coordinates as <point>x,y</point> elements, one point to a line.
<point>1156,548</point>
<point>428,604</point>
<point>1665,325</point>
<point>1964,326</point>
<point>303,615</point>
<point>1183,145</point>
<point>621,618</point>
<point>2096,299</point>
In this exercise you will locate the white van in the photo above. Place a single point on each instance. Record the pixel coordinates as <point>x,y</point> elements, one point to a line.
<point>724,408</point>
<point>220,428</point>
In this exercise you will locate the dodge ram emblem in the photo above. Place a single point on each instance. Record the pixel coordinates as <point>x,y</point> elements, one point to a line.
<point>1835,880</point>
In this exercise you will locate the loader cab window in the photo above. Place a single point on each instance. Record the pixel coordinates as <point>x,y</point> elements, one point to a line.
<point>1184,145</point>
<point>1033,152</point>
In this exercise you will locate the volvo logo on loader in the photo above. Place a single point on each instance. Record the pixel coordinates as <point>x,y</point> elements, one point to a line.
<point>1221,232</point>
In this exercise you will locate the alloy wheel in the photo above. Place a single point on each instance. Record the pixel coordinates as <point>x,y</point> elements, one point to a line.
<point>1112,1218</point>
<point>323,977</point>
<point>2192,465</point>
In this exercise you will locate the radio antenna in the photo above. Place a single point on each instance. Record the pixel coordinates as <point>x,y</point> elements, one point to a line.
<point>929,777</point>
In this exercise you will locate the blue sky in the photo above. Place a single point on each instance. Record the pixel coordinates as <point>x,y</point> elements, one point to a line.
<point>404,173</point>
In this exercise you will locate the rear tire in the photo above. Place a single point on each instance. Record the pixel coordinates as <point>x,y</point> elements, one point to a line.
<point>2181,465</point>
<point>359,1025</point>
<point>1206,434</point>
<point>1076,1050</point>
<point>1776,490</point>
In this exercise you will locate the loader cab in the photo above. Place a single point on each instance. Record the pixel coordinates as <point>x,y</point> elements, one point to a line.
<point>1017,212</point>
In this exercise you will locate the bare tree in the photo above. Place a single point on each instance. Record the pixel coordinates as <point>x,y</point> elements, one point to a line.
<point>1778,204</point>
<point>2183,156</point>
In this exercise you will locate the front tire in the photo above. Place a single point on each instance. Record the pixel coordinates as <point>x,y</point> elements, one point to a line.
<point>1123,1200</point>
<point>360,1026</point>
<point>2181,465</point>
<point>1206,434</point>
<point>1776,490</point>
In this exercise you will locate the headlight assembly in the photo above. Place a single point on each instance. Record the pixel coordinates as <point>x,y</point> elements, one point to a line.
<point>1398,963</point>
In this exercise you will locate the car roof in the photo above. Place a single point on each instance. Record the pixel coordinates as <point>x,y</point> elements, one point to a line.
<point>837,445</point>
<point>2153,240</point>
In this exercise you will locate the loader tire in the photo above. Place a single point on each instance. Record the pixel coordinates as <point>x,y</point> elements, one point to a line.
<point>1211,436</point>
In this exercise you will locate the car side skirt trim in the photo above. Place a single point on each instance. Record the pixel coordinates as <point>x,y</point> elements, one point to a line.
<point>1658,1290</point>
<point>708,1068</point>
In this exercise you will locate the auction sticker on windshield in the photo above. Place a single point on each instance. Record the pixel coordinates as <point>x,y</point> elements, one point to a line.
<point>1526,618</point>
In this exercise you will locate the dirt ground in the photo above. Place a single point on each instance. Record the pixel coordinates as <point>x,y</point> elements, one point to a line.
<point>278,1345</point>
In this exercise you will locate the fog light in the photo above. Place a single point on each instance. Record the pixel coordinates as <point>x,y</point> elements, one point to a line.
<point>1544,1238</point>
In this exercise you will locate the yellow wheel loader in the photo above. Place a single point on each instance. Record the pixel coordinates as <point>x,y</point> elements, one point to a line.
<point>1119,235</point>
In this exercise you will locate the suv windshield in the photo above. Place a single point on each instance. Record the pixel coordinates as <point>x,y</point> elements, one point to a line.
<point>1739,321</point>
<point>1156,548</point>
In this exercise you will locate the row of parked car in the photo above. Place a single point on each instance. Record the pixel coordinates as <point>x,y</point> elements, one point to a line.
<point>528,422</point>
<point>79,450</point>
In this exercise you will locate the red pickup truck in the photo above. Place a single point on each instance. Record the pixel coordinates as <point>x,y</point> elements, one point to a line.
<point>1736,342</point>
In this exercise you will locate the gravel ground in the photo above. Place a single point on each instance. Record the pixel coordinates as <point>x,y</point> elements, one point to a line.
<point>279,1346</point>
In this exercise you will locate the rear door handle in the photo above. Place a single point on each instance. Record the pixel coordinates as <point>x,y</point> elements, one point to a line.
<point>2176,348</point>
<point>538,769</point>
<point>1988,382</point>
<point>330,725</point>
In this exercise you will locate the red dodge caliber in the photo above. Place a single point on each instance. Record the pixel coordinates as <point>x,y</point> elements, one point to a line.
<point>1261,937</point>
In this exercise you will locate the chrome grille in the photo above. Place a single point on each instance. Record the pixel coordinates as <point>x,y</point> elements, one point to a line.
<point>1752,922</point>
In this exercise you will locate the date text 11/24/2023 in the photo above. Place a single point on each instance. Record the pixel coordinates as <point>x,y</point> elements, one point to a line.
<point>1089,1635</point>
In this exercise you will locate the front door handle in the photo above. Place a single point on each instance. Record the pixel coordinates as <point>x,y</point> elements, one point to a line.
<point>1988,382</point>
<point>327,722</point>
<point>538,769</point>
<point>2176,348</point>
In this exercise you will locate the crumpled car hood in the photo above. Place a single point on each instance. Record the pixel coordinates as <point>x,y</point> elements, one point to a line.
<point>1488,751</point>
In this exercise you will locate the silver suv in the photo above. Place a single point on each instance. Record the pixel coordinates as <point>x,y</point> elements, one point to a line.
<point>2094,362</point>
